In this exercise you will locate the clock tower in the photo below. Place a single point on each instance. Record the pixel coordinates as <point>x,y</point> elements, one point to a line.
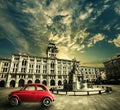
<point>51,50</point>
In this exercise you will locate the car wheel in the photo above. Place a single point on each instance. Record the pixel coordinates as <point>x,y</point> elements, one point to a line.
<point>46,102</point>
<point>14,101</point>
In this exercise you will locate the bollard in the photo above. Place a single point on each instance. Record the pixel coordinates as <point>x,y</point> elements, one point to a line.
<point>57,91</point>
<point>99,92</point>
<point>87,92</point>
<point>74,92</point>
<point>66,92</point>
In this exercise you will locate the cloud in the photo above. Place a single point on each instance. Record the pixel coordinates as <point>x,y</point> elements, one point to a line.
<point>96,38</point>
<point>73,25</point>
<point>117,7</point>
<point>85,15</point>
<point>116,41</point>
<point>13,35</point>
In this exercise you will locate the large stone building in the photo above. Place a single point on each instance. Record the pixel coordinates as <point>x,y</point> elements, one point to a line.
<point>50,70</point>
<point>112,68</point>
<point>90,74</point>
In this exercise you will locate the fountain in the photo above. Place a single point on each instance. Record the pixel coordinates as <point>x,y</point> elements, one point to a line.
<point>76,82</point>
<point>77,86</point>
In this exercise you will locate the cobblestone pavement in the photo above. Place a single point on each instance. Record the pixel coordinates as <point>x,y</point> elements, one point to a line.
<point>109,101</point>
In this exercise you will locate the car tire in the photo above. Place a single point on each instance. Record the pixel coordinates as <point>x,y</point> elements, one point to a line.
<point>13,101</point>
<point>46,102</point>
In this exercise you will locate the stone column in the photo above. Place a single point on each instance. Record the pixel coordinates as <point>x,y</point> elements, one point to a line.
<point>20,64</point>
<point>11,65</point>
<point>17,81</point>
<point>33,80</point>
<point>27,66</point>
<point>48,72</point>
<point>34,68</point>
<point>8,80</point>
<point>56,73</point>
<point>41,72</point>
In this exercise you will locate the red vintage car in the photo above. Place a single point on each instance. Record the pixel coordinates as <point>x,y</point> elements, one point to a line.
<point>31,93</point>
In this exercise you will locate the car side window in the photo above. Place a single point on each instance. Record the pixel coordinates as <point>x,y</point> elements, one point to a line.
<point>39,88</point>
<point>30,88</point>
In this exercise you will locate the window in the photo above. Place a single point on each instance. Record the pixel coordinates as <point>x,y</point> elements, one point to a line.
<point>52,65</point>
<point>44,66</point>
<point>59,76</point>
<point>59,72</point>
<point>16,58</point>
<point>39,88</point>
<point>38,60</point>
<point>32,59</point>
<point>31,66</point>
<point>44,77</point>
<point>59,62</point>
<point>64,62</point>
<point>45,71</point>
<point>37,70</point>
<point>52,71</point>
<point>30,70</point>
<point>5,69</point>
<point>5,64</point>
<point>24,62</point>
<point>45,60</point>
<point>13,76</point>
<point>30,88</point>
<point>23,70</point>
<point>30,76</point>
<point>37,66</point>
<point>37,76</point>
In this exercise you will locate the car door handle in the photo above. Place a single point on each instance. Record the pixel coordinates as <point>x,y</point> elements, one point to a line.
<point>33,92</point>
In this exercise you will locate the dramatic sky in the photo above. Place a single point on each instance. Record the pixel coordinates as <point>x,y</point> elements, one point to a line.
<point>88,30</point>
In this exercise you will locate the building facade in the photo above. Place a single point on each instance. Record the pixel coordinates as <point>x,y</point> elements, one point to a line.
<point>112,68</point>
<point>50,70</point>
<point>90,74</point>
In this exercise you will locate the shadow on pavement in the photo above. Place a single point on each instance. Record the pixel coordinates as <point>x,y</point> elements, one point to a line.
<point>25,106</point>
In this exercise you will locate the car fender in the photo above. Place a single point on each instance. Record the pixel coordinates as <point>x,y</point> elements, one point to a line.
<point>48,97</point>
<point>16,97</point>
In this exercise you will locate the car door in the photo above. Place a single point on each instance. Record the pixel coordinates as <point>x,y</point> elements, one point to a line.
<point>40,93</point>
<point>28,94</point>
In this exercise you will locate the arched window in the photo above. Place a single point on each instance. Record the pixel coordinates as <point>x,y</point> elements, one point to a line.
<point>52,82</point>
<point>21,82</point>
<point>29,82</point>
<point>24,62</point>
<point>37,81</point>
<point>52,65</point>
<point>12,83</point>
<point>44,82</point>
<point>2,83</point>
<point>59,83</point>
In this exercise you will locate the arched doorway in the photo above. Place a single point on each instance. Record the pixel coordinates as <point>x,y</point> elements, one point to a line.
<point>21,82</point>
<point>37,81</point>
<point>29,82</point>
<point>44,82</point>
<point>52,82</point>
<point>12,83</point>
<point>65,81</point>
<point>59,83</point>
<point>2,83</point>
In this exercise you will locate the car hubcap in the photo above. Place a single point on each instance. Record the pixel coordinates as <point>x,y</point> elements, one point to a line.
<point>13,101</point>
<point>46,101</point>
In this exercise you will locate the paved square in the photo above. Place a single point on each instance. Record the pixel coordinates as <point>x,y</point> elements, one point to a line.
<point>92,102</point>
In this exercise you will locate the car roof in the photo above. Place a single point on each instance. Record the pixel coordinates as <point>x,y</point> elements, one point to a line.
<point>34,84</point>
